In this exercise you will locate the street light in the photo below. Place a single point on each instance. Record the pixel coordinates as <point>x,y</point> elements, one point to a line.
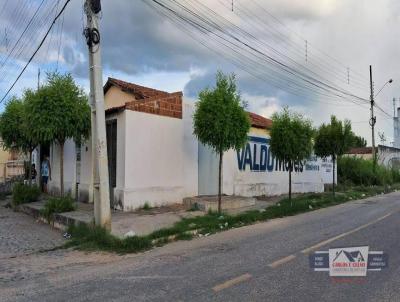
<point>388,82</point>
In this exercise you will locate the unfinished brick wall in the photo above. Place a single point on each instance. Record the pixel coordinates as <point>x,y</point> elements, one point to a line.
<point>170,105</point>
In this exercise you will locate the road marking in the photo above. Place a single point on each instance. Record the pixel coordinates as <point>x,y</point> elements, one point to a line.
<point>281,261</point>
<point>325,242</point>
<point>231,282</point>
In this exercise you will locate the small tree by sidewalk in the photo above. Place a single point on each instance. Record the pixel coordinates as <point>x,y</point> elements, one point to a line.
<point>333,140</point>
<point>59,111</point>
<point>220,121</point>
<point>291,140</point>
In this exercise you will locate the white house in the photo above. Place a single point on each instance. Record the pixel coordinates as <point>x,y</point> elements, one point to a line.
<point>154,157</point>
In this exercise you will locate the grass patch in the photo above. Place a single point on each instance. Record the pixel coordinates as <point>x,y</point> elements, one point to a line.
<point>96,238</point>
<point>57,205</point>
<point>24,194</point>
<point>146,206</point>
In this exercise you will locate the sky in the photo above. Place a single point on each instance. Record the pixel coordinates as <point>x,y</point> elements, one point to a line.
<point>141,45</point>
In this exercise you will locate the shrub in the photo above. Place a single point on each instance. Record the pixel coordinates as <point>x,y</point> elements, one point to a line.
<point>358,171</point>
<point>57,205</point>
<point>146,206</point>
<point>24,193</point>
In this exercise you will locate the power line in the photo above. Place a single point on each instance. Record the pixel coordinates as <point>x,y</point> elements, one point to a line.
<point>302,39</point>
<point>60,41</point>
<point>214,29</point>
<point>26,47</point>
<point>281,38</point>
<point>23,32</point>
<point>288,69</point>
<point>244,66</point>
<point>37,49</point>
<point>3,8</point>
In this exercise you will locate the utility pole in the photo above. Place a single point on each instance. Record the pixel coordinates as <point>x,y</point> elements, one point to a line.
<point>372,121</point>
<point>102,212</point>
<point>394,107</point>
<point>38,79</point>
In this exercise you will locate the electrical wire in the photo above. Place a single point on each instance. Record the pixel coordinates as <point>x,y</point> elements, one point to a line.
<point>37,49</point>
<point>216,30</point>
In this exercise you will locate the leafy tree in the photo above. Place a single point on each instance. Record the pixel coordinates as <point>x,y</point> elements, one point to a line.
<point>220,121</point>
<point>333,140</point>
<point>291,139</point>
<point>357,141</point>
<point>15,131</point>
<point>59,111</point>
<point>11,129</point>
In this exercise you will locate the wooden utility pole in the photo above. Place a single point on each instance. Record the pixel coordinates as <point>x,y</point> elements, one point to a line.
<point>102,212</point>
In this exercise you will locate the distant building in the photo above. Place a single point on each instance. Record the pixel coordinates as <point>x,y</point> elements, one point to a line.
<point>11,163</point>
<point>154,157</point>
<point>360,152</point>
<point>396,130</point>
<point>386,155</point>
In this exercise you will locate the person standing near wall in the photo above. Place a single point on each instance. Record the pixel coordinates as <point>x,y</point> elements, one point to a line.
<point>46,173</point>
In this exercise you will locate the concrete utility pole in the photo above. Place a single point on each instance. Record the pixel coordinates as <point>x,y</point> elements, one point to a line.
<point>372,121</point>
<point>102,212</point>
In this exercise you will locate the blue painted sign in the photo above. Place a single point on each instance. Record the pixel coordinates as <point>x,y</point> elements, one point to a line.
<point>256,157</point>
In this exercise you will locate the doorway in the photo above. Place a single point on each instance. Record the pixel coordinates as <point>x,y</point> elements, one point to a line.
<point>111,132</point>
<point>44,151</point>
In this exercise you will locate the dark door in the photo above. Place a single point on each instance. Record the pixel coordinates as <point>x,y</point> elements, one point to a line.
<point>44,151</point>
<point>111,129</point>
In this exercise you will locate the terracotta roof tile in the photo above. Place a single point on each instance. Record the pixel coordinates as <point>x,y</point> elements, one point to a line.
<point>149,95</point>
<point>140,92</point>
<point>147,100</point>
<point>259,121</point>
<point>363,150</point>
<point>115,109</point>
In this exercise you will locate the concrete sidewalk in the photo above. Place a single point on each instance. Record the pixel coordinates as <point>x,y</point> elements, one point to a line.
<point>143,222</point>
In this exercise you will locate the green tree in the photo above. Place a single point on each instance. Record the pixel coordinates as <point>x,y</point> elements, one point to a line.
<point>333,140</point>
<point>291,139</point>
<point>59,111</point>
<point>15,131</point>
<point>11,121</point>
<point>357,141</point>
<point>220,120</point>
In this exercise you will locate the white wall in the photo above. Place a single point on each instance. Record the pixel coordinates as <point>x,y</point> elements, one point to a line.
<point>69,167</point>
<point>85,185</point>
<point>270,181</point>
<point>190,152</point>
<point>156,159</point>
<point>389,156</point>
<point>154,170</point>
<point>208,170</point>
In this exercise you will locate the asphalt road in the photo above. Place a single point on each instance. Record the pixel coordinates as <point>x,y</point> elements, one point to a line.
<point>263,262</point>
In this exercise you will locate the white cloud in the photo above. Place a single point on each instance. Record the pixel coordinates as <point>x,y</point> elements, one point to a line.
<point>143,47</point>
